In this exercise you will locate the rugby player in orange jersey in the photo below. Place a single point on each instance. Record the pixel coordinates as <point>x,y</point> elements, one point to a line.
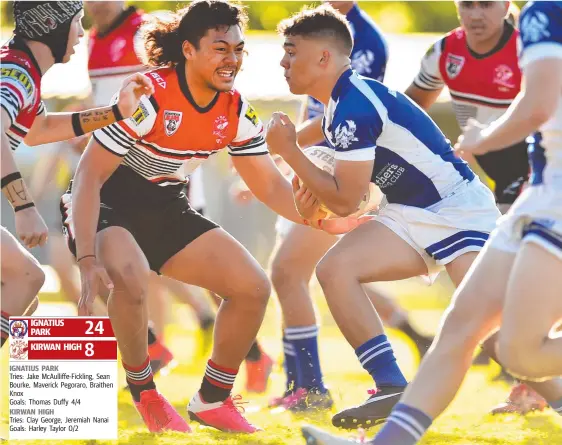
<point>126,213</point>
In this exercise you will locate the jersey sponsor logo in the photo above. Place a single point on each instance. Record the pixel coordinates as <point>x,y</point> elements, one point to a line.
<point>21,76</point>
<point>140,114</point>
<point>453,65</point>
<point>534,27</point>
<point>161,82</point>
<point>389,175</point>
<point>172,121</point>
<point>345,134</point>
<point>503,75</point>
<point>251,115</point>
<point>220,125</point>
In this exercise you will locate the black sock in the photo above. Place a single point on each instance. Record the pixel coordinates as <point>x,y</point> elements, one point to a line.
<point>151,336</point>
<point>255,353</point>
<point>217,383</point>
<point>139,378</point>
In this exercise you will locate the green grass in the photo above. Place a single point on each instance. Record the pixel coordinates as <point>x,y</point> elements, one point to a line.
<point>464,423</point>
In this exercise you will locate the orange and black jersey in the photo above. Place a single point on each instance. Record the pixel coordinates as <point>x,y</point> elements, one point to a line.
<point>20,89</point>
<point>169,135</point>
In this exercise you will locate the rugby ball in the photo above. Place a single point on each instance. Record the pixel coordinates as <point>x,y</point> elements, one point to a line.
<point>323,158</point>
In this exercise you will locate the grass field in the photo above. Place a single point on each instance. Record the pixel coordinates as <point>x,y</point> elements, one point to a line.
<point>465,423</point>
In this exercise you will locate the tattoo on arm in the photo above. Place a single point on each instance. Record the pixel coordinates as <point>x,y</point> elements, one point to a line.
<point>17,194</point>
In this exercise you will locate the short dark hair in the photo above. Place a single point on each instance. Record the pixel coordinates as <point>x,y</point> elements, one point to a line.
<point>163,40</point>
<point>320,22</point>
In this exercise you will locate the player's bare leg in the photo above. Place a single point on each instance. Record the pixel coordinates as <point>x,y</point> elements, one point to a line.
<point>524,396</point>
<point>216,261</point>
<point>22,279</point>
<point>195,298</point>
<point>127,307</point>
<point>534,287</point>
<point>291,270</point>
<point>361,257</point>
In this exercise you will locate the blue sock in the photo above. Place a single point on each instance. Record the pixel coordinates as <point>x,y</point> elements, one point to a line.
<point>556,406</point>
<point>404,426</point>
<point>290,365</point>
<point>305,343</point>
<point>377,358</point>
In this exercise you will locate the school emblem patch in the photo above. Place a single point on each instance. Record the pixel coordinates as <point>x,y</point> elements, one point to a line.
<point>172,121</point>
<point>453,65</point>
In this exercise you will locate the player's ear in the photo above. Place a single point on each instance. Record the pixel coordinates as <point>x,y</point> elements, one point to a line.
<point>325,59</point>
<point>187,49</point>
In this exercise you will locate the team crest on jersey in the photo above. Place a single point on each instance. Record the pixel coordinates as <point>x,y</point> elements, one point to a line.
<point>453,65</point>
<point>503,75</point>
<point>345,134</point>
<point>172,121</point>
<point>219,129</point>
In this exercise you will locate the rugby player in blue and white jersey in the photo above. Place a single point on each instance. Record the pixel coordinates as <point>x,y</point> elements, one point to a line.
<point>436,213</point>
<point>517,278</point>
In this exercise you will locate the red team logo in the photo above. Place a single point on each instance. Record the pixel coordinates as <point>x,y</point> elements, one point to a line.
<point>18,346</point>
<point>172,121</point>
<point>454,65</point>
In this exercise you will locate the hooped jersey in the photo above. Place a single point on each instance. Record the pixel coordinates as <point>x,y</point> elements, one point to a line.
<point>541,35</point>
<point>20,89</point>
<point>169,135</point>
<point>414,163</point>
<point>112,55</point>
<point>482,86</point>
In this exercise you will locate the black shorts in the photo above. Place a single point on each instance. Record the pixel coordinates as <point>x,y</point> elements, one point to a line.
<point>509,169</point>
<point>159,218</point>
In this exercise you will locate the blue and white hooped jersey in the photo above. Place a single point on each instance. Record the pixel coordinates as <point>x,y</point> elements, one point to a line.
<point>369,55</point>
<point>541,35</point>
<point>414,162</point>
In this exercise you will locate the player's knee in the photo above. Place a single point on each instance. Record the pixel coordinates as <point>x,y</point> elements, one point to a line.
<point>462,330</point>
<point>520,358</point>
<point>259,289</point>
<point>331,267</point>
<point>132,279</point>
<point>283,272</point>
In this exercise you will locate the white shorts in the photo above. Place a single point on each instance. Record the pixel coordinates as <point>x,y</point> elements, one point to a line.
<point>536,217</point>
<point>457,224</point>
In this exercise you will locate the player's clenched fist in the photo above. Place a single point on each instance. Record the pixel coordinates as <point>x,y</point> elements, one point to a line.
<point>132,89</point>
<point>30,227</point>
<point>281,136</point>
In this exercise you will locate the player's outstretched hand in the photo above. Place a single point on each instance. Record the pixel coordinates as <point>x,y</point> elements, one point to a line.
<point>31,228</point>
<point>470,141</point>
<point>281,135</point>
<point>339,226</point>
<point>307,204</point>
<point>91,274</point>
<point>132,89</point>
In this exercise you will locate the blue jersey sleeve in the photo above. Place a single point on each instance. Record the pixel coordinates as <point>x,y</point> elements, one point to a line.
<point>354,137</point>
<point>541,31</point>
